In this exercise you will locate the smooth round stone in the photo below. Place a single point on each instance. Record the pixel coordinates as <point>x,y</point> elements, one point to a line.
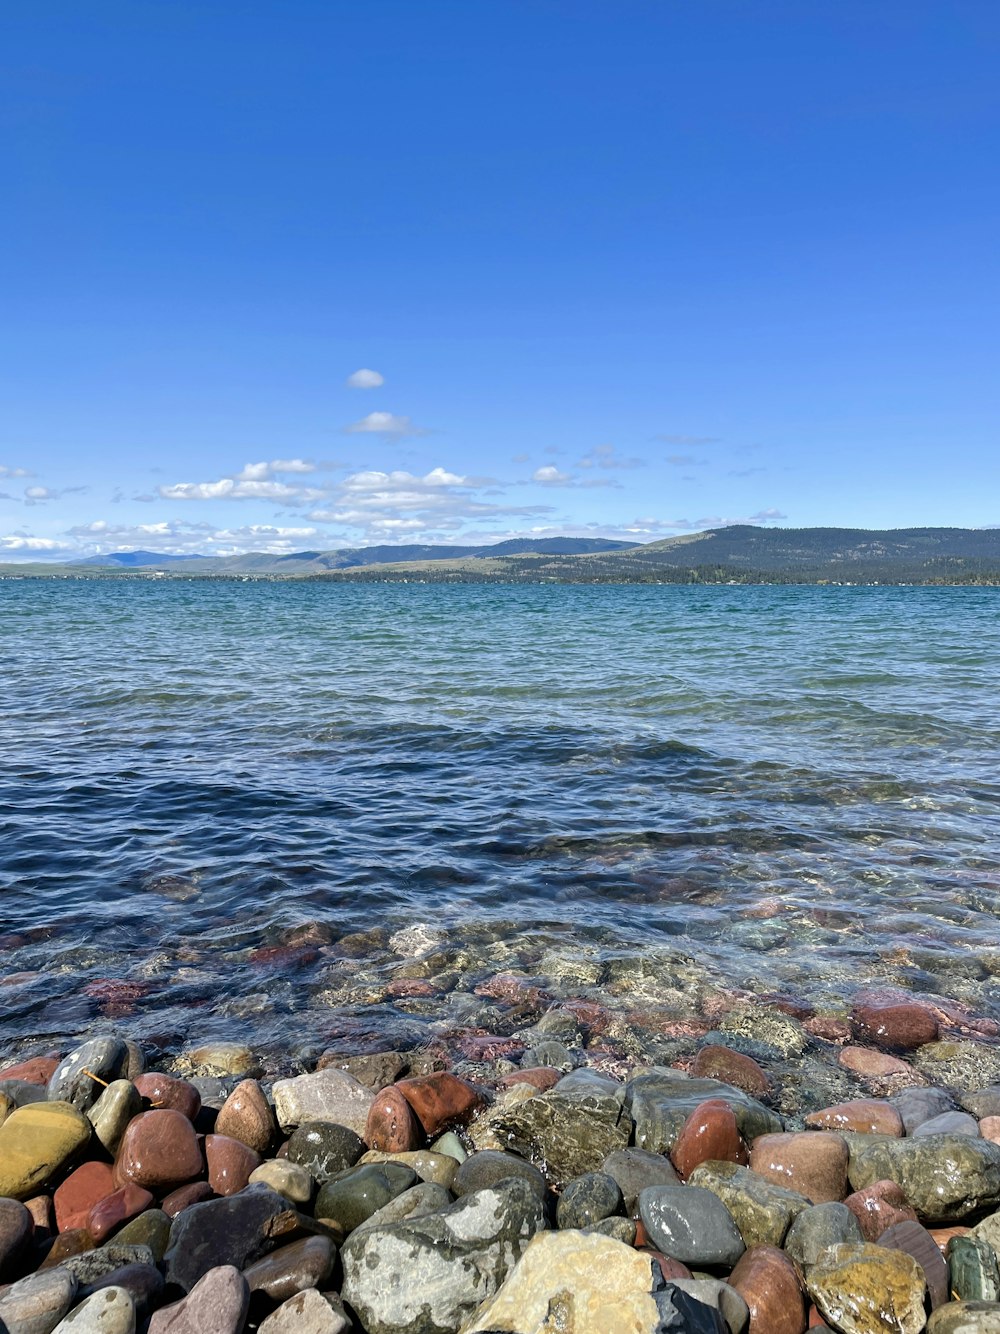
<point>486,1168</point>
<point>710,1133</point>
<point>110,1311</point>
<point>946,1177</point>
<point>634,1170</point>
<point>353,1196</point>
<point>621,1229</point>
<point>867,1289</point>
<point>451,1146</point>
<point>872,1065</point>
<point>392,1126</point>
<point>982,1102</point>
<point>36,1304</point>
<point>973,1272</point>
<point>159,1150</point>
<point>219,1302</point>
<point>812,1162</point>
<point>37,1142</point>
<point>587,1200</point>
<point>247,1115</point>
<point>220,1058</point>
<point>420,1200</point>
<point>878,1207</point>
<point>436,1167</point>
<point>7,1105</point>
<point>325,1095</point>
<point>143,1282</point>
<point>78,1194</point>
<point>121,1206</point>
<point>290,1269</point>
<point>441,1101</point>
<point>917,1242</point>
<point>37,1070</point>
<point>168,1091</point>
<point>105,1058</point>
<point>949,1123</point>
<point>151,1229</point>
<point>112,1112</point>
<point>896,1027</point>
<point>731,1067</point>
<point>540,1077</point>
<point>196,1192</point>
<point>867,1116</point>
<point>43,1216</point>
<point>324,1148</point>
<point>230,1164</point>
<point>691,1225</point>
<point>288,1179</point>
<point>762,1211</point>
<point>819,1227</point>
<point>768,1282</point>
<point>989,1128</point>
<point>966,1318</point>
<point>308,1312</point>
<point>16,1228</point>
<point>917,1105</point>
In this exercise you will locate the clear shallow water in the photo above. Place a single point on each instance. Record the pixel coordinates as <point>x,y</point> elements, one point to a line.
<point>233,796</point>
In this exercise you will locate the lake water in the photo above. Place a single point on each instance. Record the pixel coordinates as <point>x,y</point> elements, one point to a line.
<point>371,815</point>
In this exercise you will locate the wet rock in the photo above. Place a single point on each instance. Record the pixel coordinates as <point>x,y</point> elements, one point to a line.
<point>106,1058</point>
<point>867,1289</point>
<point>37,1070</point>
<point>565,1135</point>
<point>110,1311</point>
<point>392,1126</point>
<point>433,1272</point>
<point>679,1311</point>
<point>959,1064</point>
<point>162,1090</point>
<point>572,1281</point>
<point>556,1055</point>
<point>291,1269</point>
<point>661,1102</point>
<point>691,1225</point>
<point>324,1148</point>
<point>220,1058</point>
<point>247,1116</point>
<point>812,1162</point>
<point>16,1228</point>
<point>587,1200</point>
<point>424,1198</point>
<point>66,1244</point>
<point>917,1242</point>
<point>733,1068</point>
<point>488,1167</point>
<point>867,1116</point>
<point>768,1282</point>
<point>159,1150</point>
<point>981,1102</point>
<point>917,1105</point>
<point>112,1112</point>
<point>308,1312</point>
<point>288,1179</point>
<point>440,1168</point>
<point>151,1229</point>
<point>218,1302</point>
<point>949,1123</point>
<point>230,1164</point>
<point>713,1292</point>
<point>709,1133</point>
<point>880,1206</point>
<point>966,1318</point>
<point>374,1071</point>
<point>540,1077</point>
<point>78,1194</point>
<point>875,1067</point>
<point>763,1212</point>
<point>233,1231</point>
<point>973,1273</point>
<point>819,1227</point>
<point>634,1170</point>
<point>38,1142</point>
<point>196,1192</point>
<point>441,1101</point>
<point>769,1029</point>
<point>944,1177</point>
<point>351,1197</point>
<point>122,1205</point>
<point>326,1095</point>
<point>902,1027</point>
<point>36,1304</point>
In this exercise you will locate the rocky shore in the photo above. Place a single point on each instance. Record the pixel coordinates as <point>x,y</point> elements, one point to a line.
<point>535,1189</point>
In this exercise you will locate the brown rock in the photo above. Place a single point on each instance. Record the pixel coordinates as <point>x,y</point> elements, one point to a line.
<point>540,1077</point>
<point>117,1208</point>
<point>942,1235</point>
<point>74,1242</point>
<point>917,1242</point>
<point>80,1192</point>
<point>709,1132</point>
<point>768,1282</point>
<point>828,1028</point>
<point>159,1150</point>
<point>43,1215</point>
<point>812,1162</point>
<point>247,1115</point>
<point>392,1126</point>
<point>669,1268</point>
<point>878,1207</point>
<point>39,1070</point>
<point>178,1200</point>
<point>441,1100</point>
<point>902,1027</point>
<point>229,1164</point>
<point>293,1268</point>
<point>868,1116</point>
<point>167,1091</point>
<point>732,1067</point>
<point>873,1064</point>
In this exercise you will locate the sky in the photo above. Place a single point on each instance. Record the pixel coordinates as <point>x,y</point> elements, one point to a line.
<point>281,275</point>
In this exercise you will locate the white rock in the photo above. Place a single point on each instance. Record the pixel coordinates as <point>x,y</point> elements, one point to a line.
<point>325,1095</point>
<point>111,1310</point>
<point>307,1312</point>
<point>416,939</point>
<point>36,1304</point>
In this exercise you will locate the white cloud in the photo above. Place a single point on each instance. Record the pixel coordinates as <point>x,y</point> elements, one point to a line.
<point>14,472</point>
<point>24,542</point>
<point>384,423</point>
<point>39,493</point>
<point>365,379</point>
<point>251,484</point>
<point>551,476</point>
<point>184,539</point>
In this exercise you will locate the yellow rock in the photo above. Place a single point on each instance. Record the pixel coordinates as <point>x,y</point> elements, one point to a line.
<point>439,1168</point>
<point>573,1283</point>
<point>35,1142</point>
<point>6,1107</point>
<point>866,1289</point>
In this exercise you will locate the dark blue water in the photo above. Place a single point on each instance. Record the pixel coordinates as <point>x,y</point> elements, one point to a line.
<point>271,808</point>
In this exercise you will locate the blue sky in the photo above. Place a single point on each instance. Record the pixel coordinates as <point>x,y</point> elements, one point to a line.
<point>631,268</point>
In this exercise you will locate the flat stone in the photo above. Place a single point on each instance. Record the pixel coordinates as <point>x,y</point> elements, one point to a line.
<point>220,1058</point>
<point>917,1105</point>
<point>441,1101</point>
<point>247,1116</point>
<point>819,1227</point>
<point>489,1166</point>
<point>38,1142</point>
<point>879,1206</point>
<point>230,1163</point>
<point>692,1225</point>
<point>768,1282</point>
<point>16,1228</point>
<point>917,1242</point>
<point>122,1205</point>
<point>902,1027</point>
<point>107,1058</point>
<point>960,1064</point>
<point>587,1200</point>
<point>113,1110</point>
<point>78,1194</point>
<point>709,1133</point>
<point>873,1065</point>
<point>867,1116</point>
<point>966,1318</point>
<point>324,1148</point>
<point>326,1095</point>
<point>733,1068</point>
<point>159,1151</point>
<point>36,1304</point>
<point>973,1272</point>
<point>812,1162</point>
<point>236,1230</point>
<point>566,1135</point>
<point>868,1289</point>
<point>162,1090</point>
<point>293,1268</point>
<point>36,1070</point>
<point>540,1077</point>
<point>110,1311</point>
<point>949,1123</point>
<point>944,1177</point>
<point>94,1265</point>
<point>219,1302</point>
<point>981,1102</point>
<point>288,1179</point>
<point>573,1281</point>
<point>374,1070</point>
<point>351,1197</point>
<point>308,1312</point>
<point>634,1170</point>
<point>392,1124</point>
<point>762,1211</point>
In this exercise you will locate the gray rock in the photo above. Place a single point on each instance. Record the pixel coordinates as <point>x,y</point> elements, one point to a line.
<point>112,1112</point>
<point>36,1304</point>
<point>973,1273</point>
<point>982,1102</point>
<point>323,1148</point>
<point>680,1313</point>
<point>584,1080</point>
<point>325,1095</point>
<point>21,1093</point>
<point>489,1166</point>
<point>949,1123</point>
<point>92,1266</point>
<point>233,1231</point>
<point>762,1211</point>
<point>620,1229</point>
<point>143,1283</point>
<point>917,1105</point>
<point>817,1228</point>
<point>691,1225</point>
<point>293,1268</point>
<point>959,1064</point>
<point>110,1311</point>
<point>427,1197</point>
<point>218,1302</point>
<point>552,1053</point>
<point>308,1312</point>
<point>634,1170</point>
<point>966,1318</point>
<point>565,1136</point>
<point>429,1274</point>
<point>350,1198</point>
<point>945,1177</point>
<point>16,1227</point>
<point>719,1295</point>
<point>663,1100</point>
<point>587,1200</point>
<point>107,1058</point>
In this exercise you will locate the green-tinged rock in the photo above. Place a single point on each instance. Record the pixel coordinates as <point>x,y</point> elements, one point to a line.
<point>324,1148</point>
<point>218,1058</point>
<point>973,1273</point>
<point>420,1200</point>
<point>565,1136</point>
<point>440,1168</point>
<point>818,1228</point>
<point>488,1167</point>
<point>110,1311</point>
<point>966,1318</point>
<point>450,1144</point>
<point>587,1200</point>
<point>763,1211</point>
<point>351,1197</point>
<point>944,1177</point>
<point>151,1229</point>
<point>36,1143</point>
<point>868,1290</point>
<point>662,1100</point>
<point>959,1064</point>
<point>621,1229</point>
<point>767,1027</point>
<point>112,1112</point>
<point>288,1179</point>
<point>634,1170</point>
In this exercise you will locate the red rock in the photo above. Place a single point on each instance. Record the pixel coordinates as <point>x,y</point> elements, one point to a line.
<point>115,997</point>
<point>917,1242</point>
<point>489,1047</point>
<point>78,1194</point>
<point>767,1281</point>
<point>229,1164</point>
<point>592,1017</point>
<point>509,987</point>
<point>731,1067</point>
<point>868,1116</point>
<point>875,1064</point>
<point>117,1208</point>
<point>669,1267</point>
<point>284,956</point>
<point>878,1207</point>
<point>441,1100</point>
<point>403,987</point>
<point>159,1150</point>
<point>541,1077</point>
<point>942,1235</point>
<point>828,1028</point>
<point>38,1070</point>
<point>813,1162</point>
<point>392,1126</point>
<point>74,1242</point>
<point>989,1128</point>
<point>178,1200</point>
<point>902,1027</point>
<point>710,1132</point>
<point>247,1115</point>
<point>167,1091</point>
